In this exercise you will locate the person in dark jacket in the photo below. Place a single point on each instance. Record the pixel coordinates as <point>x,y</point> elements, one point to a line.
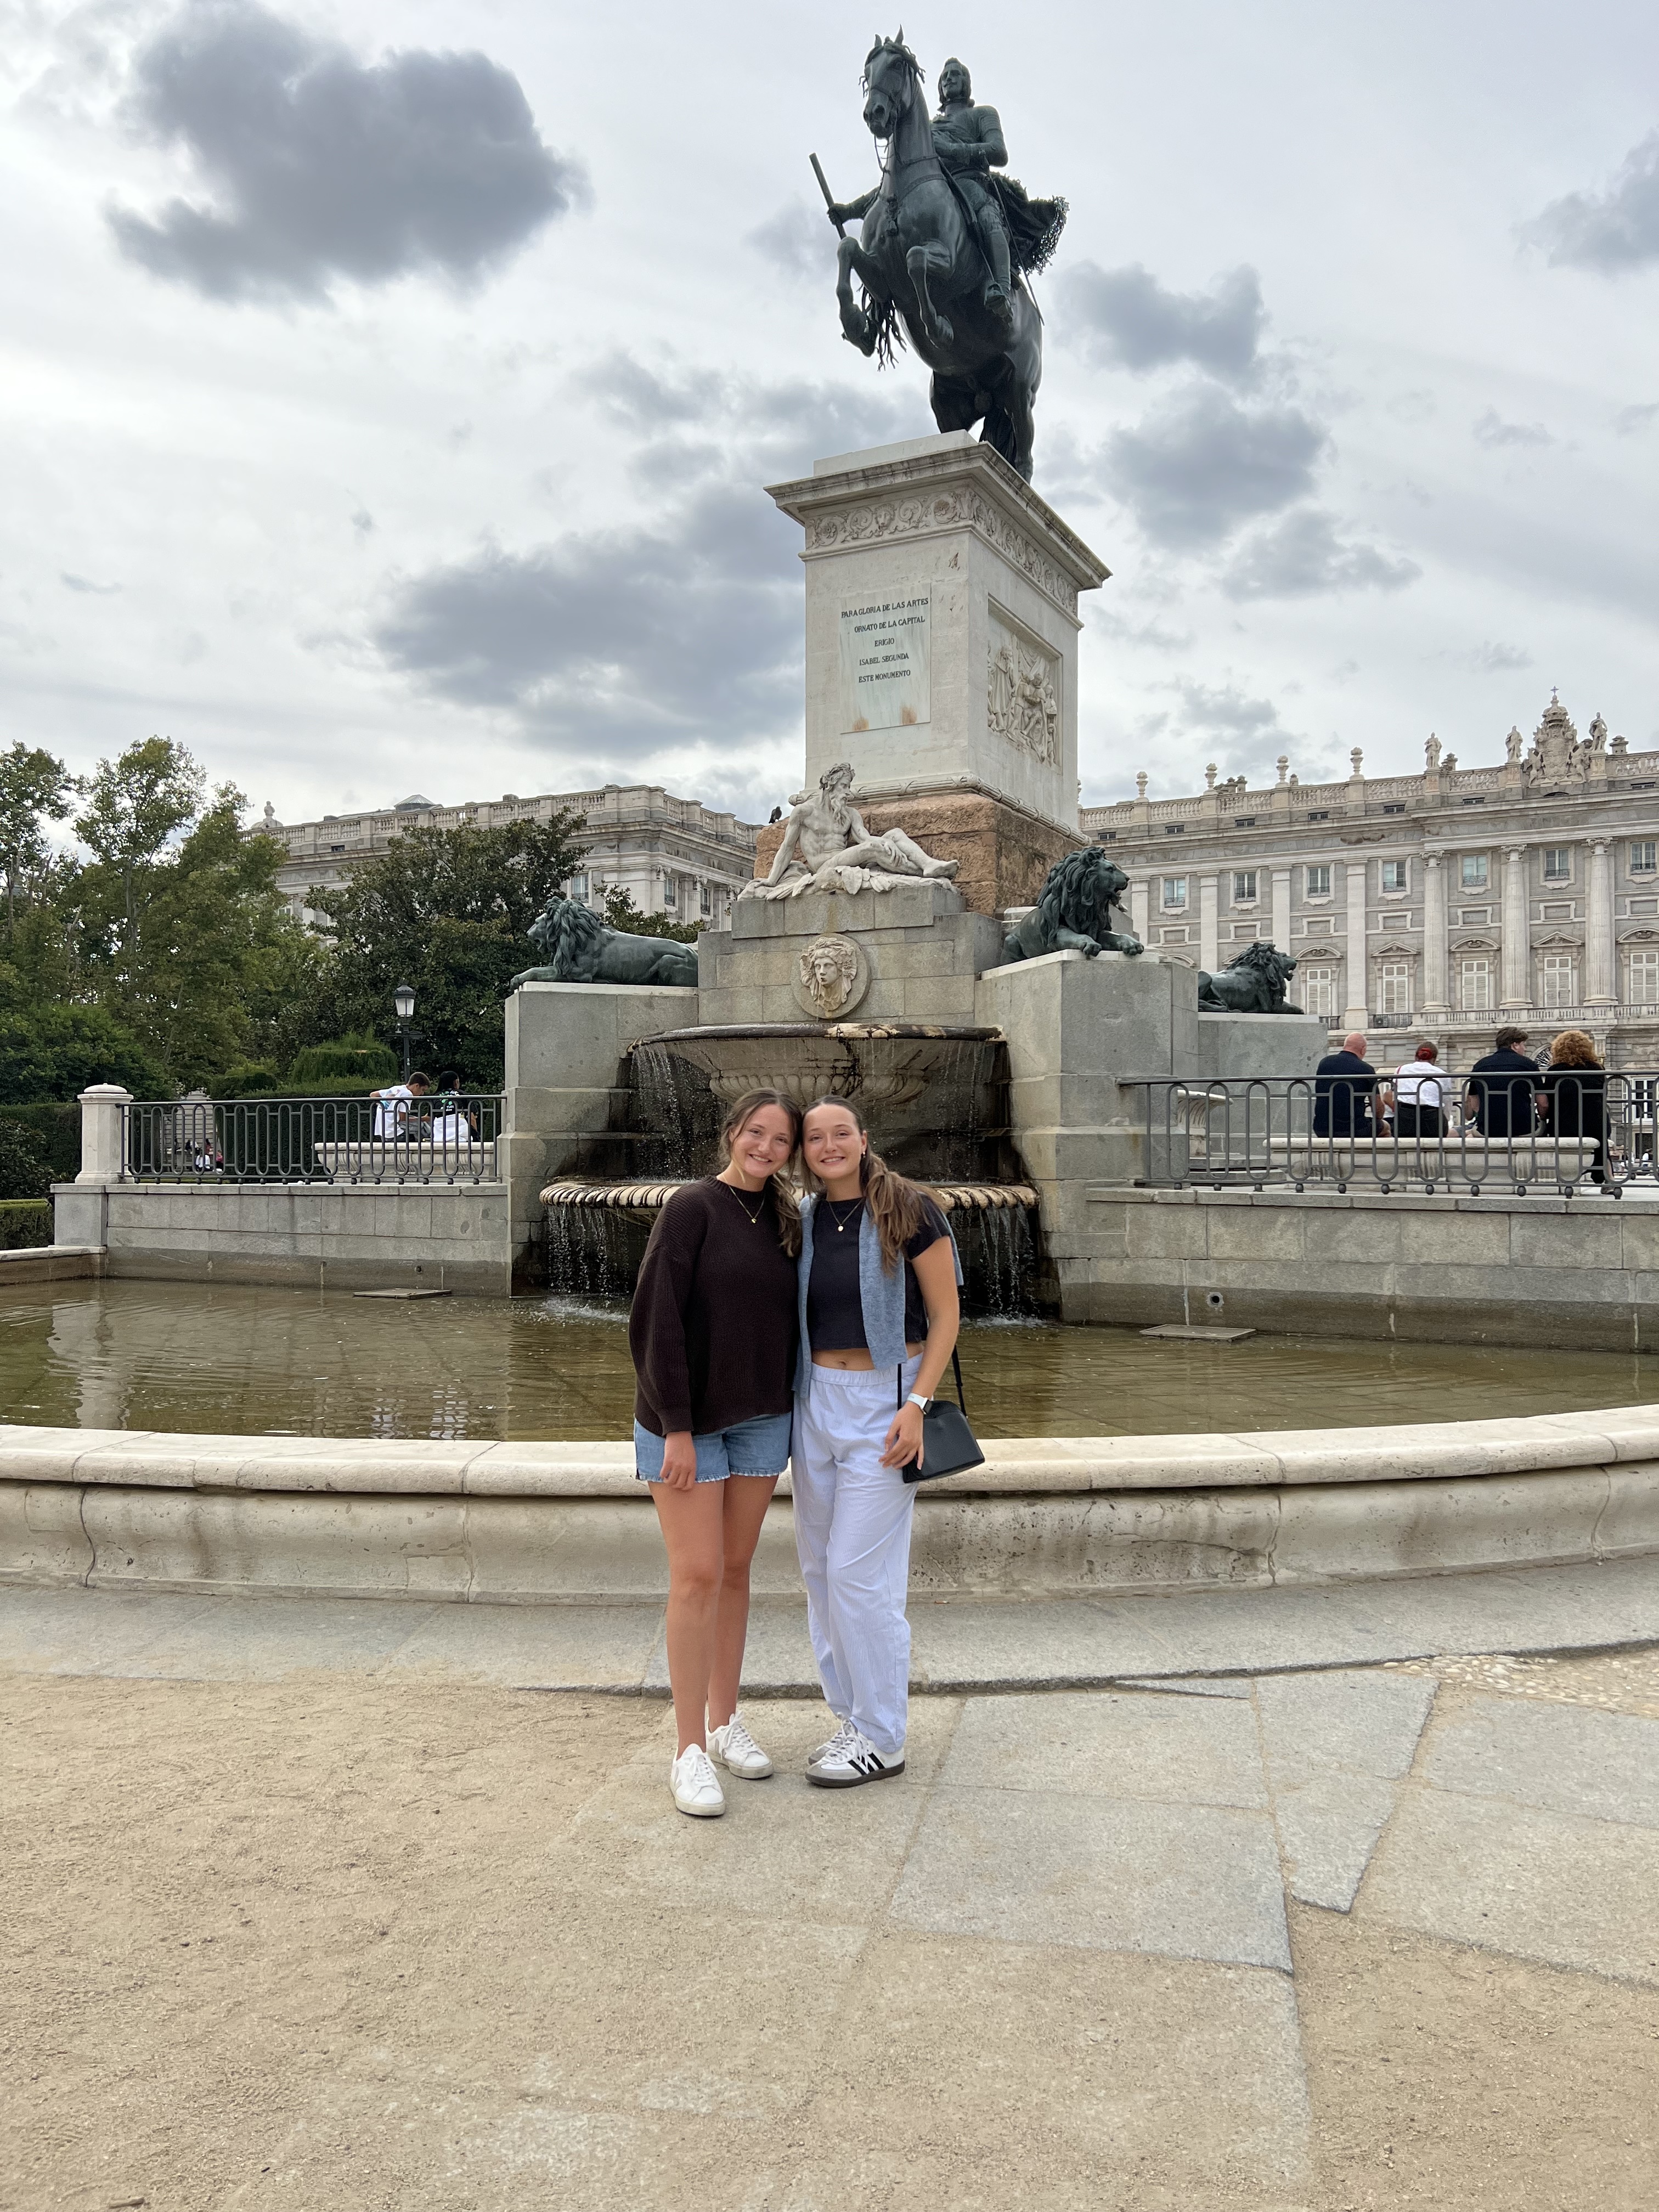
<point>1344,1084</point>
<point>1502,1088</point>
<point>1575,1100</point>
<point>713,1332</point>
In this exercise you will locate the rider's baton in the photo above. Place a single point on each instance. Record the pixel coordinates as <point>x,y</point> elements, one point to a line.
<point>828,198</point>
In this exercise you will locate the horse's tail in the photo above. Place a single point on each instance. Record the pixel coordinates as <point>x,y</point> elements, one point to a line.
<point>885,328</point>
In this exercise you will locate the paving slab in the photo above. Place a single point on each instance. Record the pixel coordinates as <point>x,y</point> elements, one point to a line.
<point>80,1631</point>
<point>542,1647</point>
<point>1104,1874</point>
<point>1187,1686</point>
<point>1336,1745</point>
<point>1539,1885</point>
<point>1327,1831</point>
<point>1559,1757</point>
<point>1186,1751</point>
<point>259,1639</point>
<point>777,1659</point>
<point>1083,2076</point>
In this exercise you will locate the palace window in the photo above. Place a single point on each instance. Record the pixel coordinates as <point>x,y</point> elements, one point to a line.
<point>1243,886</point>
<point>1642,976</point>
<point>671,892</point>
<point>1644,856</point>
<point>1175,891</point>
<point>1318,992</point>
<point>1398,808</point>
<point>1558,979</point>
<point>578,887</point>
<point>1474,872</point>
<point>1394,875</point>
<point>1175,829</point>
<point>1393,986</point>
<point>705,898</point>
<point>1558,865</point>
<point>1474,986</point>
<point>1319,882</point>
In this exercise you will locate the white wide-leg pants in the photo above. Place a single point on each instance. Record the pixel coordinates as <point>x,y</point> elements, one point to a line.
<point>853,1533</point>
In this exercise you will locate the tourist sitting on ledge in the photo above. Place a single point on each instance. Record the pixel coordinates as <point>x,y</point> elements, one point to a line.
<point>1575,1100</point>
<point>1422,1093</point>
<point>1503,1089</point>
<point>1345,1084</point>
<point>395,1104</point>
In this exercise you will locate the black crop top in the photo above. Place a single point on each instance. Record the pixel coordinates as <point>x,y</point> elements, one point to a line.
<point>834,1311</point>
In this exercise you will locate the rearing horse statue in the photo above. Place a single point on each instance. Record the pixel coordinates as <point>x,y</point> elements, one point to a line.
<point>922,262</point>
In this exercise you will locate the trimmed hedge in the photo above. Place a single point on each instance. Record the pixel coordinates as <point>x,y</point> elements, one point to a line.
<point>24,1223</point>
<point>58,1130</point>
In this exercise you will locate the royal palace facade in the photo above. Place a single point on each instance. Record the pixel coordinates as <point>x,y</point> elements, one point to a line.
<point>671,856</point>
<point>1442,904</point>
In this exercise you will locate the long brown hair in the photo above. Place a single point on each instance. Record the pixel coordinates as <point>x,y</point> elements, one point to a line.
<point>895,1202</point>
<point>783,1192</point>
<point>1574,1048</point>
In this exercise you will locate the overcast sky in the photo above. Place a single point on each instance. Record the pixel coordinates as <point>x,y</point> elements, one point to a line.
<point>388,390</point>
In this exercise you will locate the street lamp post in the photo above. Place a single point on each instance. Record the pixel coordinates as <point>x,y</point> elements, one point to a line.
<point>404,999</point>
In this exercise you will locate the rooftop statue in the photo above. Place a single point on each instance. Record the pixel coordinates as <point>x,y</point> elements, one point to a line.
<point>943,252</point>
<point>826,847</point>
<point>582,949</point>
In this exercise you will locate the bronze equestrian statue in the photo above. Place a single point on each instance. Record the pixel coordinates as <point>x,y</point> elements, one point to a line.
<point>945,250</point>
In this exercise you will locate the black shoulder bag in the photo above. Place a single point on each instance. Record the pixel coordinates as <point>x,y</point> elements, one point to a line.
<point>949,1446</point>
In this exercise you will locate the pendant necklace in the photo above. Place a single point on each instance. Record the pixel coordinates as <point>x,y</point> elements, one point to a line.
<point>835,1218</point>
<point>754,1217</point>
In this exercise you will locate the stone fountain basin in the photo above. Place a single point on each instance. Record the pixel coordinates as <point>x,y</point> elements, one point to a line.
<point>879,1064</point>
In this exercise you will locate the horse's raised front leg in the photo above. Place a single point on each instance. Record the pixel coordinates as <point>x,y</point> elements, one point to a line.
<point>923,261</point>
<point>855,325</point>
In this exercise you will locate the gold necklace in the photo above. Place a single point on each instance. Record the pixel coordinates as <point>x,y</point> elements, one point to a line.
<point>754,1217</point>
<point>835,1218</point>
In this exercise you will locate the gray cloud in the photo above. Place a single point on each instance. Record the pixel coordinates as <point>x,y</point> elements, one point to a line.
<point>798,242</point>
<point>1125,318</point>
<point>1200,464</point>
<point>1610,231</point>
<point>1629,422</point>
<point>1491,658</point>
<point>1301,555</point>
<point>622,641</point>
<point>1491,430</point>
<point>321,168</point>
<point>85,584</point>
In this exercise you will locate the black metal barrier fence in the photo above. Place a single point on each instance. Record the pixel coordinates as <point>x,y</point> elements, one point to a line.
<point>446,1137</point>
<point>1566,1130</point>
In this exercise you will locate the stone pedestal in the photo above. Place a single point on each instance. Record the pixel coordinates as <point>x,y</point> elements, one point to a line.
<point>941,651</point>
<point>1243,1045</point>
<point>922,950</point>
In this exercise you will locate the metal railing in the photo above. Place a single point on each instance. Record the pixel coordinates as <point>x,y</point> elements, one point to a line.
<point>449,1138</point>
<point>1570,1131</point>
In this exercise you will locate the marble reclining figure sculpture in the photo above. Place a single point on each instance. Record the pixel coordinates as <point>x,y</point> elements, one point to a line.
<point>827,848</point>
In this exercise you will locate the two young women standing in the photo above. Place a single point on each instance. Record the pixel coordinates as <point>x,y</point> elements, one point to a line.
<point>837,1316</point>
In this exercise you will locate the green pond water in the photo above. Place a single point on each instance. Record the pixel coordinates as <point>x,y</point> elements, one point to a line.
<point>226,1359</point>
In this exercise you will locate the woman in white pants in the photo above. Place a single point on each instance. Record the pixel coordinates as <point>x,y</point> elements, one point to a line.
<point>878,1317</point>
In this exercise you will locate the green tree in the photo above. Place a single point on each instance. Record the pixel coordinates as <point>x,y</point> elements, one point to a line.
<point>621,913</point>
<point>134,805</point>
<point>447,911</point>
<point>34,788</point>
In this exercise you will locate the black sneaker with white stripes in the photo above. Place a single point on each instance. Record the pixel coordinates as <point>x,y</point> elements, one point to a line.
<point>850,1759</point>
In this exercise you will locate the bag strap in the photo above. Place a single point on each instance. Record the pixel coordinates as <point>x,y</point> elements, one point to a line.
<point>956,1370</point>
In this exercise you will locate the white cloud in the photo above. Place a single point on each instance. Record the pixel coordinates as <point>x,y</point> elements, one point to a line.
<point>1611,232</point>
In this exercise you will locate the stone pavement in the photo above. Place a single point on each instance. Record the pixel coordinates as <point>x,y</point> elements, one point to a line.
<point>319,1911</point>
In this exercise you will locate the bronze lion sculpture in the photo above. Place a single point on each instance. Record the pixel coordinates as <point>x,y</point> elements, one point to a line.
<point>1074,911</point>
<point>581,949</point>
<point>1251,983</point>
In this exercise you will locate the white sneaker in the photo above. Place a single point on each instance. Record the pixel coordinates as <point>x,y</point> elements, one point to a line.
<point>860,1761</point>
<point>695,1786</point>
<point>737,1751</point>
<point>841,1741</point>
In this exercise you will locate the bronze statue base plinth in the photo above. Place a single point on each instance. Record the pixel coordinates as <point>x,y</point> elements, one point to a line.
<point>1003,852</point>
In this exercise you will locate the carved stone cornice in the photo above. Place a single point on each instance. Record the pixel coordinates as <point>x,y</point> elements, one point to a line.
<point>934,495</point>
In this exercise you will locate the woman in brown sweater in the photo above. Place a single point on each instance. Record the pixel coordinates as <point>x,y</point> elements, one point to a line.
<point>713,1334</point>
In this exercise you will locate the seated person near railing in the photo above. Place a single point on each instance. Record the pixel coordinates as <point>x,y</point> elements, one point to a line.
<point>1503,1090</point>
<point>396,1103</point>
<point>454,1128</point>
<point>1575,1100</point>
<point>1344,1084</point>
<point>1421,1092</point>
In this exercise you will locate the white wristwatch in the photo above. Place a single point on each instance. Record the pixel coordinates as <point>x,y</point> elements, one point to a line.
<point>915,1398</point>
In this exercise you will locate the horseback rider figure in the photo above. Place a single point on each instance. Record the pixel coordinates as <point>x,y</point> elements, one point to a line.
<point>970,144</point>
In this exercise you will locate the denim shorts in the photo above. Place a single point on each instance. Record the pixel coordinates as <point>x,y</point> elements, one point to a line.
<point>757,1447</point>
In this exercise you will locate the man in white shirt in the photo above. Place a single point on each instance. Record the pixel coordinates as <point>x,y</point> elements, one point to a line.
<point>393,1104</point>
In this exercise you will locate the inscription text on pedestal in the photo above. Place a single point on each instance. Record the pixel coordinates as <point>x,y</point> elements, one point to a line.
<point>884,645</point>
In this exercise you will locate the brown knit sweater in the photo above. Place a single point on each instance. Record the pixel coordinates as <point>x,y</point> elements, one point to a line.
<point>715,1321</point>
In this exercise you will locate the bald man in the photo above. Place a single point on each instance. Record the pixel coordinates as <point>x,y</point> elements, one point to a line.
<point>1344,1083</point>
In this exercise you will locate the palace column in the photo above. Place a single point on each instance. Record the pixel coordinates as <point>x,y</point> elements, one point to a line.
<point>1356,1014</point>
<point>1209,938</point>
<point>1437,997</point>
<point>1281,909</point>
<point>1517,937</point>
<point>1602,984</point>
<point>1139,893</point>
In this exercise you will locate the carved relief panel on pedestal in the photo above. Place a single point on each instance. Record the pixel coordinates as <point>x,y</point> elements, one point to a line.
<point>1022,689</point>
